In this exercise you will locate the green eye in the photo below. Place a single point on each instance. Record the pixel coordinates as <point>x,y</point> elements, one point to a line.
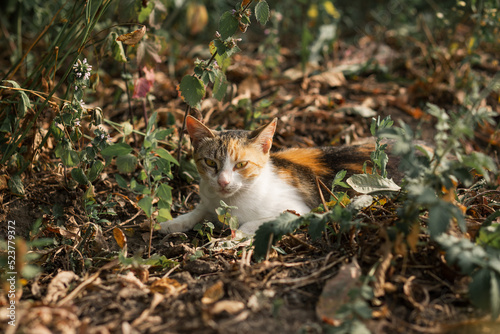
<point>210,162</point>
<point>241,164</point>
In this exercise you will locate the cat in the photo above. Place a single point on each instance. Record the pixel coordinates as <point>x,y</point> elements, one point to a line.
<point>237,166</point>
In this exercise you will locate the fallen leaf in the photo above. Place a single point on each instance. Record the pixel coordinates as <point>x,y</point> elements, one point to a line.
<point>132,38</point>
<point>336,292</point>
<point>120,237</point>
<point>168,286</point>
<point>59,286</point>
<point>213,293</point>
<point>229,306</point>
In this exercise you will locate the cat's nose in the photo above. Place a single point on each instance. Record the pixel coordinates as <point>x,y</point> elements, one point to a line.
<point>223,180</point>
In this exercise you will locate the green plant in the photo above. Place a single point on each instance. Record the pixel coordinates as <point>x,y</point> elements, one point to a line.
<point>432,176</point>
<point>482,264</point>
<point>192,88</point>
<point>224,215</point>
<point>156,168</point>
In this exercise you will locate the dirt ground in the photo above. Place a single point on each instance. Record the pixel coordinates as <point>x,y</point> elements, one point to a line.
<point>191,285</point>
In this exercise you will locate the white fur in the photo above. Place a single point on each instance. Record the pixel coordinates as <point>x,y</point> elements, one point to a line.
<point>258,202</point>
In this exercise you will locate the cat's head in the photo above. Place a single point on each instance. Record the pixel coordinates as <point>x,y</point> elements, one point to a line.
<point>229,161</point>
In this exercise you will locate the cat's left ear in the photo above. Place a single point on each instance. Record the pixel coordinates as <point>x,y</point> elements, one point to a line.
<point>197,130</point>
<point>263,136</point>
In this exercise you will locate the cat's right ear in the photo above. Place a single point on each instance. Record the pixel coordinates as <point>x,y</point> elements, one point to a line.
<point>263,136</point>
<point>197,130</point>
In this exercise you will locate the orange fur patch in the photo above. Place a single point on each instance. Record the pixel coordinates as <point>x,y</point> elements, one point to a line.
<point>307,157</point>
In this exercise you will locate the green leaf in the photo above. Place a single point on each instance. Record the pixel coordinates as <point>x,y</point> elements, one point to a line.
<point>192,90</point>
<point>70,158</point>
<point>126,163</point>
<point>439,219</point>
<point>95,170</point>
<point>228,25</point>
<point>262,12</point>
<point>16,185</point>
<point>117,149</point>
<point>317,224</point>
<point>269,233</point>
<point>337,180</point>
<point>495,295</point>
<point>161,134</point>
<point>163,153</point>
<point>146,204</point>
<point>164,215</point>
<point>151,123</point>
<point>117,50</point>
<point>480,289</point>
<point>220,86</point>
<point>371,183</point>
<point>24,104</point>
<point>145,12</point>
<point>121,181</point>
<point>164,192</point>
<point>79,176</point>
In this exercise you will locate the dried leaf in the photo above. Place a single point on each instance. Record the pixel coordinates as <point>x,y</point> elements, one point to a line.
<point>120,237</point>
<point>413,236</point>
<point>196,17</point>
<point>168,286</point>
<point>132,38</point>
<point>213,293</point>
<point>229,306</point>
<point>335,292</point>
<point>59,286</point>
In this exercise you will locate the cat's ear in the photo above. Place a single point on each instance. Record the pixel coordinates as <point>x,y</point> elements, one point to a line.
<point>263,136</point>
<point>197,130</point>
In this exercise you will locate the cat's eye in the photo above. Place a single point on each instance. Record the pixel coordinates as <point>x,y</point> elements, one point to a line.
<point>241,164</point>
<point>210,163</point>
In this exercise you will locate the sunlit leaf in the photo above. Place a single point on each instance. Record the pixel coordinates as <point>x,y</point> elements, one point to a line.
<point>132,38</point>
<point>192,90</point>
<point>163,153</point>
<point>228,25</point>
<point>16,185</point>
<point>371,183</point>
<point>120,237</point>
<point>146,204</point>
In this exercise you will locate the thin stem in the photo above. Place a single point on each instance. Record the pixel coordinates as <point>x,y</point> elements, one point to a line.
<point>181,137</point>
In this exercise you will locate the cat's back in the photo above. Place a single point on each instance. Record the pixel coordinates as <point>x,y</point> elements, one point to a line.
<point>301,167</point>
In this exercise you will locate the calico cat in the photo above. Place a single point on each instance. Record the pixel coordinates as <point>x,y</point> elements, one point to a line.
<point>236,166</point>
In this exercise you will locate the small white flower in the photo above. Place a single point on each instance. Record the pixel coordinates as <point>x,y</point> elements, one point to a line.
<point>77,122</point>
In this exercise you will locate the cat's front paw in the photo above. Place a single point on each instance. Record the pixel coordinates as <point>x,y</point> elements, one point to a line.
<point>182,223</point>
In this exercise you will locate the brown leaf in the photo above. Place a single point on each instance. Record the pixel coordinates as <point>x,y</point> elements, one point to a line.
<point>335,292</point>
<point>120,237</point>
<point>213,293</point>
<point>413,236</point>
<point>229,306</point>
<point>132,38</point>
<point>59,286</point>
<point>244,3</point>
<point>168,286</point>
<point>196,17</point>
